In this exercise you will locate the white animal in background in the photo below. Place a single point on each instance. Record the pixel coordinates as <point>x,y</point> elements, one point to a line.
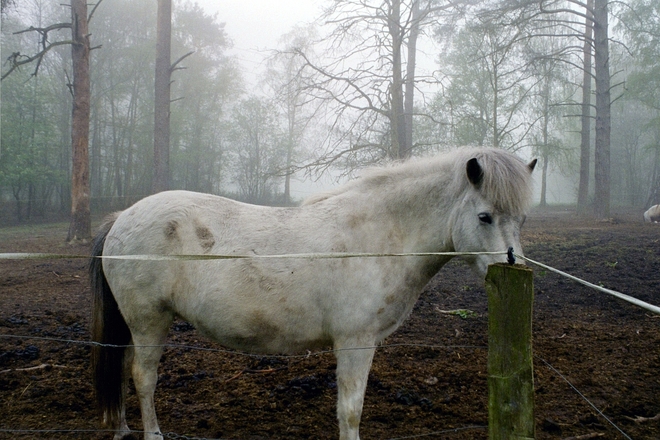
<point>652,215</point>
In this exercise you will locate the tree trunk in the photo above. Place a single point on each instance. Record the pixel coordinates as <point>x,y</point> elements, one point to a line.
<point>410,78</point>
<point>545,134</point>
<point>585,130</point>
<point>496,103</point>
<point>291,116</point>
<point>654,193</point>
<point>397,114</point>
<point>161,178</point>
<point>80,227</point>
<point>603,102</point>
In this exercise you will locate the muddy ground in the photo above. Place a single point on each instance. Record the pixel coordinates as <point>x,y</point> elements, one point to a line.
<point>429,380</point>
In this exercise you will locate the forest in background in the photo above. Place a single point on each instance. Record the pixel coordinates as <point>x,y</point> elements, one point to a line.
<point>340,94</point>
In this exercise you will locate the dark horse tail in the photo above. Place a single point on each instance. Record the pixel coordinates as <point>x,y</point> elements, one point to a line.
<point>108,329</point>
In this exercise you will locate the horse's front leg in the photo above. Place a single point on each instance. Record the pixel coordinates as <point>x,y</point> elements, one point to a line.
<point>353,364</point>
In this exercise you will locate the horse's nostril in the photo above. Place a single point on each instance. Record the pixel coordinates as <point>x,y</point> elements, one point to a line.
<point>509,256</point>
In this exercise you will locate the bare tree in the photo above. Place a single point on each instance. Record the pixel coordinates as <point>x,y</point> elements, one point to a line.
<point>585,118</point>
<point>161,178</point>
<point>603,105</point>
<point>80,222</point>
<point>80,227</point>
<point>371,78</point>
<point>489,81</point>
<point>256,154</point>
<point>409,101</point>
<point>162,89</point>
<point>287,77</point>
<point>597,15</point>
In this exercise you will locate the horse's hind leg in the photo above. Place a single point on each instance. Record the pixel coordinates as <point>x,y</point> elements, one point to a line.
<point>353,366</point>
<point>147,351</point>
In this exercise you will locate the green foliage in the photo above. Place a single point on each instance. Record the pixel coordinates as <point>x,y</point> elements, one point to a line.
<point>498,86</point>
<point>35,154</point>
<point>32,166</point>
<point>202,91</point>
<point>638,128</point>
<point>462,313</point>
<point>641,24</point>
<point>487,88</point>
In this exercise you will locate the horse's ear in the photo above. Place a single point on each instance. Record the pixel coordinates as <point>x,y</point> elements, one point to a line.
<point>475,173</point>
<point>532,165</point>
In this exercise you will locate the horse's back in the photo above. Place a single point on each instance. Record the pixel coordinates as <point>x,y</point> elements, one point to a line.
<point>262,304</point>
<point>243,303</point>
<point>183,221</point>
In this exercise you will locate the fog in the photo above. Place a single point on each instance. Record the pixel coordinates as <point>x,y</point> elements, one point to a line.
<point>277,88</point>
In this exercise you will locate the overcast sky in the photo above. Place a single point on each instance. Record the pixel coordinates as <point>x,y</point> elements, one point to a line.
<point>255,26</point>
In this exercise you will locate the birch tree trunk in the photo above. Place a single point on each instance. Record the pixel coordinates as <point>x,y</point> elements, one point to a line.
<point>397,118</point>
<point>585,121</point>
<point>603,103</point>
<point>410,77</point>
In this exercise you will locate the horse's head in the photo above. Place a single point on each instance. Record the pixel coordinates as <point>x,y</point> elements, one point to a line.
<point>495,197</point>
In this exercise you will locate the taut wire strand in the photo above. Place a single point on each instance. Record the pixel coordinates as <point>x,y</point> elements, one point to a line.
<point>582,395</point>
<point>186,257</point>
<point>241,353</point>
<point>630,299</point>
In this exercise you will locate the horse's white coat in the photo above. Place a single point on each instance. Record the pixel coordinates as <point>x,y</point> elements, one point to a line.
<point>652,215</point>
<point>290,305</point>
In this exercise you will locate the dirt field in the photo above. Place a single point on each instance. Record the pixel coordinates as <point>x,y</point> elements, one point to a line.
<point>607,349</point>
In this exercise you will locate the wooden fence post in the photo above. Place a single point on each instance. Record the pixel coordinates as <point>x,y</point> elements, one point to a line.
<point>510,291</point>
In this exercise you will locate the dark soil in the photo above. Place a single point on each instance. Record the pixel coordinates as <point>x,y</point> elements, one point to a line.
<point>429,380</point>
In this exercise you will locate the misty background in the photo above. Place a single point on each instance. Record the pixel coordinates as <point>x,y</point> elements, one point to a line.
<point>271,107</point>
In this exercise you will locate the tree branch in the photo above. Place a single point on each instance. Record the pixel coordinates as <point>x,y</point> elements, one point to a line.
<point>15,58</point>
<point>91,14</point>
<point>181,58</point>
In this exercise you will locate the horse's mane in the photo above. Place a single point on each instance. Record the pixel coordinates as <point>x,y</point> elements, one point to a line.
<point>506,178</point>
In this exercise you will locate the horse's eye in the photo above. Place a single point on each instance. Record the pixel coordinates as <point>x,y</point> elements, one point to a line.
<point>484,217</point>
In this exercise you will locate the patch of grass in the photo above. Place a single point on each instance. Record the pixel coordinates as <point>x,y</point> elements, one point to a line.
<point>462,313</point>
<point>36,230</point>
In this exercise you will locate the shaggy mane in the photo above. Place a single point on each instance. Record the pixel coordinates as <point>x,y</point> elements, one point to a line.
<point>506,178</point>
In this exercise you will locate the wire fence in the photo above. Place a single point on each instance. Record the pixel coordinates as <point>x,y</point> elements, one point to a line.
<point>310,256</point>
<point>175,436</point>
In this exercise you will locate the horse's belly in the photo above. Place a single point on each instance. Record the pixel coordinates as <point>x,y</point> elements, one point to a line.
<point>254,341</point>
<point>261,336</point>
<point>256,323</point>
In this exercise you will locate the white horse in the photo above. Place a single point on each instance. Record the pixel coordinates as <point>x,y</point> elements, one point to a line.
<point>652,215</point>
<point>468,200</point>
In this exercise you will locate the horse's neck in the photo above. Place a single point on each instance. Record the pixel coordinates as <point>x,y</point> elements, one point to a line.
<point>420,211</point>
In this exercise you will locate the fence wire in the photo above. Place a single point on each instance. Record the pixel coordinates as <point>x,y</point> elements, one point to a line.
<point>175,436</point>
<point>241,353</point>
<point>323,256</point>
<point>310,256</point>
